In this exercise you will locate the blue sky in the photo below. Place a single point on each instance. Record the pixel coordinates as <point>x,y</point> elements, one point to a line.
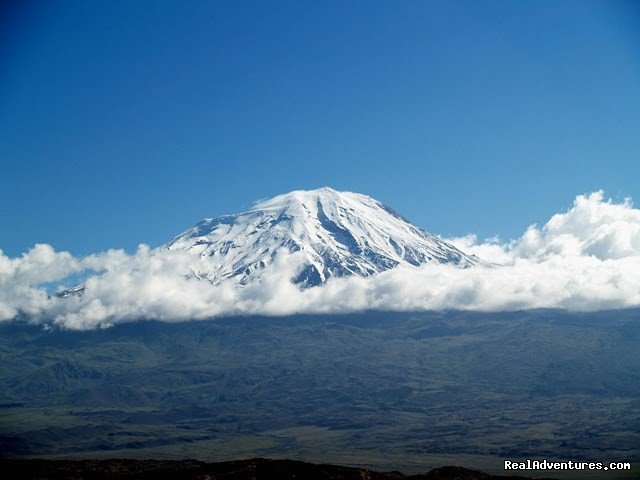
<point>126,122</point>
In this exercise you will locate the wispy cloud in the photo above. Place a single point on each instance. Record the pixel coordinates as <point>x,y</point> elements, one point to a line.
<point>587,258</point>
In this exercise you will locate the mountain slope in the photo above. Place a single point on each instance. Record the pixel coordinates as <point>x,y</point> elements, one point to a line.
<point>337,233</point>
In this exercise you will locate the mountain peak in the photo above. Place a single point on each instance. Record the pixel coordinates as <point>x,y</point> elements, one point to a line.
<point>338,234</point>
<point>324,194</point>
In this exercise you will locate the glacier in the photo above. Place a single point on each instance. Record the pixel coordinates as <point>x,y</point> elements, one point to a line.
<point>337,234</point>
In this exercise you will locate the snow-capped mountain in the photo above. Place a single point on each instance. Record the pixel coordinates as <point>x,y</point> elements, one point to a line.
<point>338,234</point>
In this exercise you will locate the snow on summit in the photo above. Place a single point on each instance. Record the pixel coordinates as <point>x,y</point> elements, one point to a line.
<point>337,233</point>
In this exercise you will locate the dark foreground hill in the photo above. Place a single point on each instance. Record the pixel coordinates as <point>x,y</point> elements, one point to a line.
<point>253,469</point>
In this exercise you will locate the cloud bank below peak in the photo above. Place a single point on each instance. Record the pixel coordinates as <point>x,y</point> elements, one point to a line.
<point>586,259</point>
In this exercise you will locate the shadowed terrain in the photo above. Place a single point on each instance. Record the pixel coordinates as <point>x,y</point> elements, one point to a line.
<point>388,391</point>
<point>254,469</point>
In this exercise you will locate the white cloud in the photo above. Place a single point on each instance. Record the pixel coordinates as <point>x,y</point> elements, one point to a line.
<point>587,258</point>
<point>592,227</point>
